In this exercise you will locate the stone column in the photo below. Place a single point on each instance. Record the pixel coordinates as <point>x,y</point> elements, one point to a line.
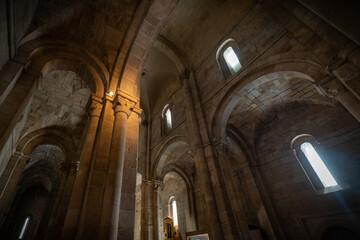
<point>221,151</point>
<point>58,215</point>
<point>191,223</point>
<point>9,180</point>
<point>202,169</point>
<point>123,106</point>
<point>148,219</point>
<point>79,187</point>
<point>158,214</point>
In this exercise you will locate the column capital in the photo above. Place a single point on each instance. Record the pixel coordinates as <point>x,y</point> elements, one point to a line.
<point>95,106</point>
<point>332,88</point>
<point>126,103</point>
<point>185,74</point>
<point>66,166</point>
<point>158,185</point>
<point>220,146</point>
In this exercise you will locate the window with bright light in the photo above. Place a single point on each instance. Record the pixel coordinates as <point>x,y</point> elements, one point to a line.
<point>232,60</point>
<point>24,227</point>
<point>307,151</point>
<point>318,165</point>
<point>168,119</point>
<point>174,211</point>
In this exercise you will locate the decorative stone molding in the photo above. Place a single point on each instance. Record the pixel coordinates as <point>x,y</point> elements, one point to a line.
<point>21,156</point>
<point>95,106</point>
<point>126,103</point>
<point>192,153</point>
<point>158,185</point>
<point>220,147</point>
<point>337,62</point>
<point>67,166</point>
<point>332,88</point>
<point>184,75</point>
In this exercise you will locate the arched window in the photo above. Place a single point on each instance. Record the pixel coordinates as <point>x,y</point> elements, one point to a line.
<point>228,59</point>
<point>232,60</point>
<point>174,213</point>
<point>318,165</point>
<point>24,227</point>
<point>166,119</point>
<point>305,149</point>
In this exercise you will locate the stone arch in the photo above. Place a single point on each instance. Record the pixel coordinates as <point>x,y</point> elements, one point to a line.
<point>155,17</point>
<point>335,223</point>
<point>189,209</point>
<point>172,53</point>
<point>242,142</point>
<point>35,178</point>
<point>175,168</point>
<point>44,56</point>
<point>254,77</point>
<point>40,176</point>
<point>48,136</point>
<point>160,157</point>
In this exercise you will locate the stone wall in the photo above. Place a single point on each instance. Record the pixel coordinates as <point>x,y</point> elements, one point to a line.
<point>290,191</point>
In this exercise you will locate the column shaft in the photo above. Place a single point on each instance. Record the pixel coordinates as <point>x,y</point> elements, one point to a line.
<point>111,205</point>
<point>79,187</point>
<point>158,216</point>
<point>9,180</point>
<point>202,170</point>
<point>224,161</point>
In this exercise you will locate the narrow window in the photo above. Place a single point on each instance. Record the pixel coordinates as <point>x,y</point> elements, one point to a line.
<point>168,119</point>
<point>174,210</point>
<point>318,165</point>
<point>23,229</point>
<point>232,60</point>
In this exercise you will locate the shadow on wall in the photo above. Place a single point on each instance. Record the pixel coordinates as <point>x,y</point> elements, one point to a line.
<point>337,233</point>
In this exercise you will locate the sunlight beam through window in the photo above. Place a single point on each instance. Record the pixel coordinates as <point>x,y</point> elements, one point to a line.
<point>231,59</point>
<point>168,119</point>
<point>175,216</point>
<point>23,229</point>
<point>318,165</point>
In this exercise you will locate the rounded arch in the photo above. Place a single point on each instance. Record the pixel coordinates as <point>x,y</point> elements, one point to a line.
<point>131,73</point>
<point>285,68</point>
<point>336,232</point>
<point>43,56</point>
<point>165,108</point>
<point>176,169</point>
<point>332,224</point>
<point>161,154</point>
<point>42,176</point>
<point>47,136</point>
<point>171,52</point>
<point>221,47</point>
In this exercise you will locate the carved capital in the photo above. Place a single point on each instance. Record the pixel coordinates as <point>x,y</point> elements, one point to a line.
<point>184,75</point>
<point>124,102</point>
<point>67,166</point>
<point>192,153</point>
<point>337,62</point>
<point>158,186</point>
<point>220,147</point>
<point>95,107</point>
<point>333,88</point>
